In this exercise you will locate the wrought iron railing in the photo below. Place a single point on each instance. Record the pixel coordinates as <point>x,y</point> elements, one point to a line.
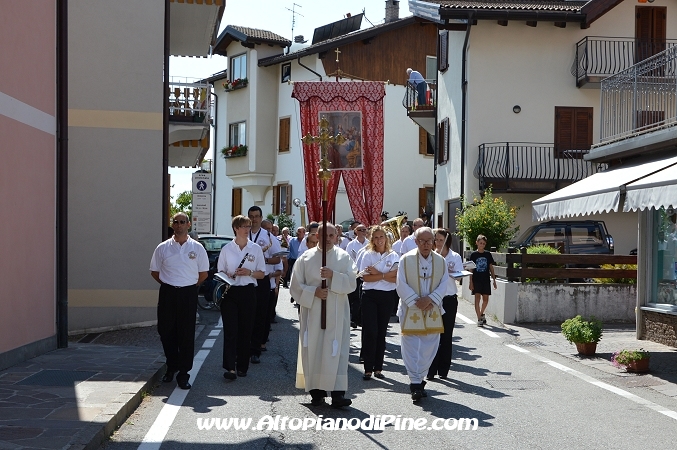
<point>410,100</point>
<point>640,98</point>
<point>510,163</point>
<point>189,102</point>
<point>604,56</point>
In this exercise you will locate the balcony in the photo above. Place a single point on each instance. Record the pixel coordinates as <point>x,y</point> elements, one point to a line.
<point>639,109</point>
<point>527,167</point>
<point>423,114</point>
<point>599,57</point>
<point>189,120</point>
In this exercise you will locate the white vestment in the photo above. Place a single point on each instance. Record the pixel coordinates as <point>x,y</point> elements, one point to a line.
<point>323,354</point>
<point>418,351</point>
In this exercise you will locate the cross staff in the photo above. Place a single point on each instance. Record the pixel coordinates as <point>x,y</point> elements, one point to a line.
<point>324,139</point>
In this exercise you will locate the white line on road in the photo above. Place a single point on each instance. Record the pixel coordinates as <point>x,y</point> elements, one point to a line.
<point>488,332</point>
<point>465,319</point>
<point>639,400</point>
<point>219,324</point>
<point>214,333</point>
<point>209,343</point>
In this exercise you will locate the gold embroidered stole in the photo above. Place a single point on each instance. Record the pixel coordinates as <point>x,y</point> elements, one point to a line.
<point>416,321</point>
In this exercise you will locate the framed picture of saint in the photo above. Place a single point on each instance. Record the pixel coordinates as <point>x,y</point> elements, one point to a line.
<point>348,155</point>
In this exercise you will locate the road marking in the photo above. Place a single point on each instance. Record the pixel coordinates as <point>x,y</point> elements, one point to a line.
<point>465,319</point>
<point>214,333</point>
<point>488,332</point>
<point>208,343</point>
<point>473,322</point>
<point>595,382</point>
<point>219,324</point>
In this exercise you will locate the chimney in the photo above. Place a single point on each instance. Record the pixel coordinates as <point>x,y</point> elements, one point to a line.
<point>392,10</point>
<point>299,39</point>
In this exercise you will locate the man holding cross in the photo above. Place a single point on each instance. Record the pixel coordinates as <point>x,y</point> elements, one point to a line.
<point>323,352</point>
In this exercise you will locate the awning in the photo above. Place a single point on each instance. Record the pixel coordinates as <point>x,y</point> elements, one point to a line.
<point>655,191</point>
<point>598,193</point>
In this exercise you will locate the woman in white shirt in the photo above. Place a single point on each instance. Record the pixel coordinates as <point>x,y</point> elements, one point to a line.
<point>242,260</point>
<point>379,265</point>
<point>442,361</point>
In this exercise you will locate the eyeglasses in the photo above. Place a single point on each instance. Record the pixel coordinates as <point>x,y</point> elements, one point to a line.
<point>424,242</point>
<point>182,222</point>
<point>364,230</point>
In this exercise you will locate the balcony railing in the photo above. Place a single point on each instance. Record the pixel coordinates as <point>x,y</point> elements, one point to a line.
<point>410,100</point>
<point>599,57</point>
<point>189,102</point>
<point>641,98</point>
<point>530,167</point>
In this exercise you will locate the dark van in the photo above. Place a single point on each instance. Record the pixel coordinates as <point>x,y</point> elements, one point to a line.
<point>569,236</point>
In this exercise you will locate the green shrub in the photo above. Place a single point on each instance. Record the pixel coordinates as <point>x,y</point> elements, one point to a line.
<point>488,215</point>
<point>582,331</point>
<point>542,249</point>
<point>618,280</point>
<point>283,220</point>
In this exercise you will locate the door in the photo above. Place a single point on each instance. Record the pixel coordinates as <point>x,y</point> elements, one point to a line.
<point>649,31</point>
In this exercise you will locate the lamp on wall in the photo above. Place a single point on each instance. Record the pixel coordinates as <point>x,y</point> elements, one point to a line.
<point>516,109</point>
<point>302,206</point>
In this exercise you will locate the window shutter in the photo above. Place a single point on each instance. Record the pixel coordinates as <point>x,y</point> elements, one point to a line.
<point>276,200</point>
<point>443,49</point>
<point>236,203</point>
<point>422,200</point>
<point>284,138</point>
<point>564,120</point>
<point>422,141</point>
<point>583,129</point>
<point>573,131</point>
<point>443,141</point>
<point>288,203</point>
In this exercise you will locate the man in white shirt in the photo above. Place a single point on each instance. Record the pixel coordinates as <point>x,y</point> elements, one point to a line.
<point>404,233</point>
<point>353,249</point>
<point>341,240</point>
<point>409,243</point>
<point>179,264</point>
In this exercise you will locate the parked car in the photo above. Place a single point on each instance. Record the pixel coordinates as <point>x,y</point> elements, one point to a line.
<point>213,244</point>
<point>569,236</point>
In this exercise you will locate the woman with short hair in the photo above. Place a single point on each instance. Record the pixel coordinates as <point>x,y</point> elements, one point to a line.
<point>379,267</point>
<point>242,260</point>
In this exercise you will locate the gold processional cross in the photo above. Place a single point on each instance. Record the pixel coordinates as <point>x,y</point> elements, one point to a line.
<point>324,139</point>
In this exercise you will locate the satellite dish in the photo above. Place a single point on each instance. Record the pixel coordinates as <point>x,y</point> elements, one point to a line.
<point>297,202</point>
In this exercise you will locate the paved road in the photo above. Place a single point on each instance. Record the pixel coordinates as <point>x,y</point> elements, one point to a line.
<point>523,397</point>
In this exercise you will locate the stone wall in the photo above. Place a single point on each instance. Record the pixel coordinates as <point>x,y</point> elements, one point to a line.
<point>661,328</point>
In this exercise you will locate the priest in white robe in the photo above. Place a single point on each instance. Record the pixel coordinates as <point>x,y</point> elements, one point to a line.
<point>421,284</point>
<point>323,354</point>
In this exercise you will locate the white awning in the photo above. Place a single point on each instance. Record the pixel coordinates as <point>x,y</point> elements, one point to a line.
<point>655,191</point>
<point>598,193</point>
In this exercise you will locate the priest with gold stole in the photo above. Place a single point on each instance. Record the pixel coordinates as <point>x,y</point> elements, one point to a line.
<point>323,353</point>
<point>421,284</point>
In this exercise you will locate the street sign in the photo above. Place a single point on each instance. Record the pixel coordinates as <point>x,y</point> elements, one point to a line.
<point>202,183</point>
<point>202,213</point>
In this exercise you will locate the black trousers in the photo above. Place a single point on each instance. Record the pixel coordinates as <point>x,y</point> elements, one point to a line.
<point>354,300</point>
<point>262,316</point>
<point>237,314</point>
<point>176,326</point>
<point>290,267</point>
<point>376,308</point>
<point>273,305</point>
<point>319,393</point>
<point>442,361</point>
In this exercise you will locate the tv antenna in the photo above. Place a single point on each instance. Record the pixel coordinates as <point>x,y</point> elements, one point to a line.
<point>293,17</point>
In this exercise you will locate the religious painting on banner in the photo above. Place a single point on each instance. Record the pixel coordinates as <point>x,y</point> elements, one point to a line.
<point>348,155</point>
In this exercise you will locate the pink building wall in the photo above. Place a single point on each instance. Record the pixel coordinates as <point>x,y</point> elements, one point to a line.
<point>27,172</point>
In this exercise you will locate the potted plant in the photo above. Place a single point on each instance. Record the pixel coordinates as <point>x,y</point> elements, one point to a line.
<point>633,360</point>
<point>584,333</point>
<point>235,84</point>
<point>234,151</point>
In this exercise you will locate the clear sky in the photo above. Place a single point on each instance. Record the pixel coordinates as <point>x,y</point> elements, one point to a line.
<point>275,16</point>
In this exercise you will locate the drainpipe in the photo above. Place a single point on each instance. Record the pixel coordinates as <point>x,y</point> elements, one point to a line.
<point>308,68</point>
<point>216,112</point>
<point>62,174</point>
<point>464,101</point>
<point>165,128</point>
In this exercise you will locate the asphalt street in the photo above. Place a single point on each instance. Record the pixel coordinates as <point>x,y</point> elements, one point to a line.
<point>522,397</point>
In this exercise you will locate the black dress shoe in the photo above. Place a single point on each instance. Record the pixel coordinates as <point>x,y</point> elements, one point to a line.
<point>183,384</point>
<point>255,359</point>
<point>318,401</point>
<point>416,395</point>
<point>229,375</point>
<point>340,402</point>
<point>379,375</point>
<point>168,377</point>
<point>241,373</point>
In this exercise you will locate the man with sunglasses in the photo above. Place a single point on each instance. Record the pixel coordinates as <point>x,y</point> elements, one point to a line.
<point>179,264</point>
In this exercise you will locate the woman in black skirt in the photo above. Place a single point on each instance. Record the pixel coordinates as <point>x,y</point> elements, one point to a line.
<point>241,260</point>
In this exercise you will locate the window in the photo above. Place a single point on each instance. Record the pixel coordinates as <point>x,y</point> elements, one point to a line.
<point>553,237</point>
<point>238,67</point>
<point>425,143</point>
<point>664,259</point>
<point>282,199</point>
<point>443,141</point>
<point>573,131</point>
<point>430,68</point>
<point>442,51</point>
<point>236,204</point>
<point>285,72</point>
<point>284,139</point>
<point>237,135</point>
<point>426,203</point>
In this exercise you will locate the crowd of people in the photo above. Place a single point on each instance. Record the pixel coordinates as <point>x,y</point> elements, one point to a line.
<point>368,276</point>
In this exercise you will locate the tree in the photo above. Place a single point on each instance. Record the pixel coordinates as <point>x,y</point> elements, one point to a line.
<point>282,220</point>
<point>183,203</point>
<point>491,216</point>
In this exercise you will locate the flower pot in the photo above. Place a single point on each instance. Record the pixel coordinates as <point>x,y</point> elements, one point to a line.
<point>586,348</point>
<point>638,366</point>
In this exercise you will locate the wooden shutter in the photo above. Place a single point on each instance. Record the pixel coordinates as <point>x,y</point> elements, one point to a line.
<point>288,202</point>
<point>573,131</point>
<point>650,31</point>
<point>422,141</point>
<point>422,200</point>
<point>276,200</point>
<point>236,202</point>
<point>443,141</point>
<point>443,51</point>
<point>284,138</point>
